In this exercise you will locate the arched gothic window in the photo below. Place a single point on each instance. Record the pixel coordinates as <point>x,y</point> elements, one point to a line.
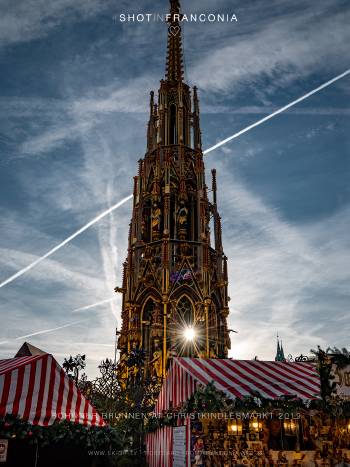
<point>184,308</point>
<point>172,126</point>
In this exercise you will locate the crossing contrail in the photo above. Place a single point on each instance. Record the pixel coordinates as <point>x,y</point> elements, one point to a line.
<point>44,331</point>
<point>88,307</point>
<point>277,112</point>
<point>67,240</point>
<point>207,151</point>
<point>72,323</point>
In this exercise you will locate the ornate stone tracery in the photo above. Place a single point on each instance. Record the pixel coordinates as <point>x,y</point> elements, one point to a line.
<point>174,275</point>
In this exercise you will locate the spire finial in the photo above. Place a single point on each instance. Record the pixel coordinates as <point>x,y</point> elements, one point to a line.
<point>174,65</point>
<point>280,352</point>
<point>174,7</point>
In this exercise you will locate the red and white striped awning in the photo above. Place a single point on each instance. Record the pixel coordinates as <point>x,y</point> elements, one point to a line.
<point>160,446</point>
<point>38,390</point>
<point>238,378</point>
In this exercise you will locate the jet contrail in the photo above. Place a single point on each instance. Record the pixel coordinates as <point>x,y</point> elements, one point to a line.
<point>277,112</point>
<point>67,240</point>
<point>87,307</point>
<point>207,151</point>
<point>45,331</point>
<point>72,323</point>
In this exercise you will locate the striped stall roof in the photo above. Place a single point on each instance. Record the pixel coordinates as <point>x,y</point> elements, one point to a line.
<point>238,378</point>
<point>37,389</point>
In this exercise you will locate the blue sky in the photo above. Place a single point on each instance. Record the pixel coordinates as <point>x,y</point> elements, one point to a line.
<point>74,90</point>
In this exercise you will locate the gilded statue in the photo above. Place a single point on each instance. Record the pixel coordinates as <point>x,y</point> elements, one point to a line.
<point>156,215</point>
<point>122,372</point>
<point>182,215</point>
<point>156,362</point>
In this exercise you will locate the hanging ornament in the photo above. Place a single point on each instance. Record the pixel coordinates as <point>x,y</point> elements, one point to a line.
<point>258,401</point>
<point>307,402</point>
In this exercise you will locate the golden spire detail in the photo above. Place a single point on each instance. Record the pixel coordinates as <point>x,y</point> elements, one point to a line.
<point>174,64</point>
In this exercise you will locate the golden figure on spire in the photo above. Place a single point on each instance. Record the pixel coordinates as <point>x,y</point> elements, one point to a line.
<point>175,276</point>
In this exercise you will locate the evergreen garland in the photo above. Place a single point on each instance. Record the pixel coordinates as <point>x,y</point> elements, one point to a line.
<point>208,399</point>
<point>325,359</point>
<point>67,432</point>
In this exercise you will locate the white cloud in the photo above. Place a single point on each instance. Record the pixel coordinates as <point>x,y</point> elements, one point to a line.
<point>25,20</point>
<point>73,119</point>
<point>278,270</point>
<point>51,271</point>
<point>287,49</point>
<point>265,110</point>
<point>54,137</point>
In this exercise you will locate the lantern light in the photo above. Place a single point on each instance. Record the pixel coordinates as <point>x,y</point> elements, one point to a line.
<point>255,425</point>
<point>235,427</point>
<point>290,427</point>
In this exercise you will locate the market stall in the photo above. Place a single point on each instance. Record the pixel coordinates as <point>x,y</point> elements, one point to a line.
<point>249,412</point>
<point>238,378</point>
<point>37,389</point>
<point>44,418</point>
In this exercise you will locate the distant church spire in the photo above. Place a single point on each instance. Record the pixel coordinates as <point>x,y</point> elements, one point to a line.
<point>280,352</point>
<point>174,63</point>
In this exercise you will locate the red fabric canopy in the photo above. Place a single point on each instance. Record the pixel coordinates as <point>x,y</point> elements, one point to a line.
<point>38,390</point>
<point>238,378</point>
<point>160,446</point>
